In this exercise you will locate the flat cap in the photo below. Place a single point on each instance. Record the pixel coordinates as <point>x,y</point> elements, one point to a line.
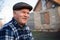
<point>22,5</point>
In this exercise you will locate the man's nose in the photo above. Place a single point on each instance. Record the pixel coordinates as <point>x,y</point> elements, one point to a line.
<point>26,14</point>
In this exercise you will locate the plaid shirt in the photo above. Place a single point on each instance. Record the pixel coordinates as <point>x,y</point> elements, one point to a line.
<point>12,31</point>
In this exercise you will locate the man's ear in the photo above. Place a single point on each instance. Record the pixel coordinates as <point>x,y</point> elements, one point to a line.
<point>14,13</point>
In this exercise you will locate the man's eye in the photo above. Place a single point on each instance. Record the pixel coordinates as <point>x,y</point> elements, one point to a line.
<point>23,12</point>
<point>27,13</point>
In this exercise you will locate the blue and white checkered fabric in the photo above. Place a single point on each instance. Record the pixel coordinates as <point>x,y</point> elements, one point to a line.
<point>12,31</point>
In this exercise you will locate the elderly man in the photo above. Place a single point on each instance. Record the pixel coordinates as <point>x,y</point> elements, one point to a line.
<point>17,29</point>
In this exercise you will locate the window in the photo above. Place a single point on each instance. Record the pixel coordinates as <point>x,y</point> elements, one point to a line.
<point>43,4</point>
<point>45,19</point>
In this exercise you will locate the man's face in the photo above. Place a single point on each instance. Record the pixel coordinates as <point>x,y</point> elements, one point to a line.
<point>21,16</point>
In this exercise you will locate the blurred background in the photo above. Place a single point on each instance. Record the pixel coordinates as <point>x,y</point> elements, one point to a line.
<point>44,19</point>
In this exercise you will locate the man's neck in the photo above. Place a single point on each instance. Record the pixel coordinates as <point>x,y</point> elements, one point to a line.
<point>21,25</point>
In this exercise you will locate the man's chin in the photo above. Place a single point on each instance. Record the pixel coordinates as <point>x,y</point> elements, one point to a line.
<point>23,22</point>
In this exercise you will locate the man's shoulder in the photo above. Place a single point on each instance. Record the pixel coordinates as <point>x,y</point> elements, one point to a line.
<point>6,27</point>
<point>6,30</point>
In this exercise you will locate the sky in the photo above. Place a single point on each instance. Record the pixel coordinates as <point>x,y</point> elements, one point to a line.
<point>6,11</point>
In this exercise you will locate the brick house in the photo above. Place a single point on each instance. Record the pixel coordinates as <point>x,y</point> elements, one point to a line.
<point>46,15</point>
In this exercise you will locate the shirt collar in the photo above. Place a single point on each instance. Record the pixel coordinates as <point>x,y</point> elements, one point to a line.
<point>16,24</point>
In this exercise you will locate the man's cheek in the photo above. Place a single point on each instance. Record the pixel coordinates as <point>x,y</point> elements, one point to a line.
<point>29,16</point>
